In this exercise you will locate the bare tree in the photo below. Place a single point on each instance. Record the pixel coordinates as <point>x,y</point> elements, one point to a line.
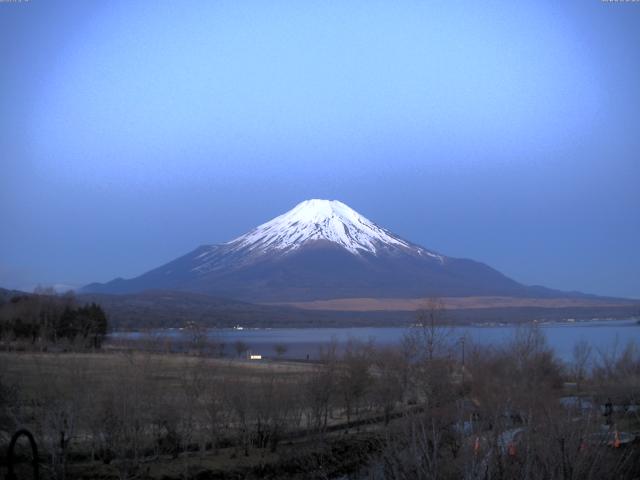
<point>354,377</point>
<point>240,348</point>
<point>197,337</point>
<point>280,349</point>
<point>276,409</point>
<point>10,406</point>
<point>390,380</point>
<point>129,401</point>
<point>431,335</point>
<point>581,359</point>
<point>237,400</point>
<point>215,413</point>
<point>63,399</point>
<point>321,388</point>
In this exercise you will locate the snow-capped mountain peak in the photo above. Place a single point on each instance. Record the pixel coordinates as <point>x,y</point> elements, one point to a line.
<point>316,219</point>
<point>319,250</point>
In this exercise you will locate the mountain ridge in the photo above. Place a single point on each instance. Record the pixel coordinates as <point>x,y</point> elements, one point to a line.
<point>323,249</point>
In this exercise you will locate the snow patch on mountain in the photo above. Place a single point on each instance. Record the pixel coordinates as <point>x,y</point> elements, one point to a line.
<point>317,219</point>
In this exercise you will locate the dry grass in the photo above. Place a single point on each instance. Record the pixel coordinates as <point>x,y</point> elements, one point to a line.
<point>412,304</point>
<point>28,370</point>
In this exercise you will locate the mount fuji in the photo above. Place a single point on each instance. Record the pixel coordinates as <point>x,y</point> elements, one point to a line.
<point>322,249</point>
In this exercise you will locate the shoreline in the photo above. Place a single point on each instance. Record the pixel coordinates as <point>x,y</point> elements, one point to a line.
<point>595,322</point>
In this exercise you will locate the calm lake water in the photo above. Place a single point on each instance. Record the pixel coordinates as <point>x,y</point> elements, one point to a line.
<point>603,335</point>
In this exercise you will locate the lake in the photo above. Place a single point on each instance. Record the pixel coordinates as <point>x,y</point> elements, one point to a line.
<point>603,335</point>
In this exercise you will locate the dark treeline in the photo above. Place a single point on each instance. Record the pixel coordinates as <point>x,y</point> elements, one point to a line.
<point>43,319</point>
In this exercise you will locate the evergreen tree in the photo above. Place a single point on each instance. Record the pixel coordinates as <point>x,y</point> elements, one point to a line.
<point>53,318</point>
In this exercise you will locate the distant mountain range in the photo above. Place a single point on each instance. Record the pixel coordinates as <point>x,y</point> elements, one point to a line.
<point>322,250</point>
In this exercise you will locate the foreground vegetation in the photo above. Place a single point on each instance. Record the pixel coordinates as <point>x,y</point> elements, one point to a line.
<point>418,411</point>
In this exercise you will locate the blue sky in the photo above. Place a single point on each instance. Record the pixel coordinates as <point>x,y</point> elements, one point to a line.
<point>506,132</point>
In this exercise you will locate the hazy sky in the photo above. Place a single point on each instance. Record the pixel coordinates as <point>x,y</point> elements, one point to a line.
<point>507,132</point>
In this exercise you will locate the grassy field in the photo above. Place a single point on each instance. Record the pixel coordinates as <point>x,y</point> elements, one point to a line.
<point>456,303</point>
<point>30,371</point>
